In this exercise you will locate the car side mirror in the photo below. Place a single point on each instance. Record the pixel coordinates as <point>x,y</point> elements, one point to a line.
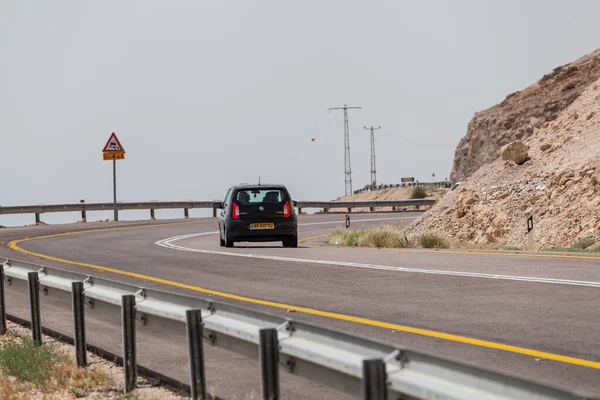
<point>294,203</point>
<point>218,204</point>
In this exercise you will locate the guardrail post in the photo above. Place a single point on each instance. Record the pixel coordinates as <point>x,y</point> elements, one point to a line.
<point>37,218</point>
<point>374,380</point>
<point>129,344</point>
<point>2,303</point>
<point>326,210</point>
<point>349,210</point>
<point>214,212</point>
<point>269,363</point>
<point>152,214</point>
<point>34,306</point>
<point>299,210</point>
<point>186,213</point>
<point>371,209</point>
<point>83,215</point>
<point>196,354</point>
<point>79,323</point>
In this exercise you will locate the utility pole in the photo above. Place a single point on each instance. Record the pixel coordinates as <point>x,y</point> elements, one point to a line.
<point>373,170</point>
<point>347,169</point>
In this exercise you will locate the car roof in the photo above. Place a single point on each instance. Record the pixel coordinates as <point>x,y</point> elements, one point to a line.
<point>256,186</point>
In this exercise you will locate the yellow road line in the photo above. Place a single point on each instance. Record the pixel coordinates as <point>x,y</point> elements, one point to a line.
<point>14,245</point>
<point>308,239</point>
<point>121,228</point>
<point>468,252</point>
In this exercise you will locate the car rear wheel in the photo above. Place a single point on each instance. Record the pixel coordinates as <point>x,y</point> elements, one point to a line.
<point>228,242</point>
<point>290,242</point>
<point>221,240</point>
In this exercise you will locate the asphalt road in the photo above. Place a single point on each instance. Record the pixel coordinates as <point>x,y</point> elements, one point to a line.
<point>546,304</point>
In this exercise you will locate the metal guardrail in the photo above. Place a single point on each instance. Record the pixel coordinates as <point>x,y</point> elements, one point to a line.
<point>360,367</point>
<point>371,188</point>
<point>371,204</point>
<point>187,205</point>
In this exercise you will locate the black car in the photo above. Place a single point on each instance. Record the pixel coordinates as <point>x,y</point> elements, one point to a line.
<point>257,213</point>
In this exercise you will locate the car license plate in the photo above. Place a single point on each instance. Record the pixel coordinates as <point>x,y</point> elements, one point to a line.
<point>269,225</point>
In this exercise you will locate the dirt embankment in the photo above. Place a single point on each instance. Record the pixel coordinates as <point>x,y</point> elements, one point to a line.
<point>388,194</point>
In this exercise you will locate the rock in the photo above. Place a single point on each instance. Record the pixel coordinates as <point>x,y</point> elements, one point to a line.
<point>555,146</point>
<point>489,235</point>
<point>516,152</point>
<point>545,147</point>
<point>500,219</point>
<point>471,201</point>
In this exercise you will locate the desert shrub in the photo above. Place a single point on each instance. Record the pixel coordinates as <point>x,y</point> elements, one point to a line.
<point>29,362</point>
<point>418,192</point>
<point>584,243</point>
<point>432,241</point>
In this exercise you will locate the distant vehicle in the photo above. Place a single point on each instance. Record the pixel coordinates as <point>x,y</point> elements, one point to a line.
<point>457,184</point>
<point>257,213</point>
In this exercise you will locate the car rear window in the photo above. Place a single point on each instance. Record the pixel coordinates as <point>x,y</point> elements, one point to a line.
<point>260,196</point>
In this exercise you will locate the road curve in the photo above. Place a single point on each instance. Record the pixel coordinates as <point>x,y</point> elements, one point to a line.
<point>530,316</point>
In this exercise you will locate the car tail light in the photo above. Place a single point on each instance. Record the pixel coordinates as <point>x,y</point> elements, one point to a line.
<point>236,211</point>
<point>286,210</point>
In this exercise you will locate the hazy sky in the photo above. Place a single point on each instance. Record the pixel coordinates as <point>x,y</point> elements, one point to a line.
<point>205,94</point>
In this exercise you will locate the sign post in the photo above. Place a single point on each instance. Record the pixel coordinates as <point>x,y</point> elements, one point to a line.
<point>114,151</point>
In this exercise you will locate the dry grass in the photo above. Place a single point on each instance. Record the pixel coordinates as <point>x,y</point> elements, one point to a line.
<point>31,371</point>
<point>433,241</point>
<point>582,245</point>
<point>392,236</point>
<point>385,237</point>
<point>49,373</point>
<point>381,237</point>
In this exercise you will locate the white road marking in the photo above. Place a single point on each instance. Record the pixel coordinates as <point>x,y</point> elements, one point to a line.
<point>168,243</point>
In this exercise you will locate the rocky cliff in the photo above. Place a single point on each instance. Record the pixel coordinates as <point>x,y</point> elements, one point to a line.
<point>552,175</point>
<point>521,113</point>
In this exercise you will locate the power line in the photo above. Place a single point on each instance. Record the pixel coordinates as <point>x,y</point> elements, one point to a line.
<point>373,169</point>
<point>347,168</point>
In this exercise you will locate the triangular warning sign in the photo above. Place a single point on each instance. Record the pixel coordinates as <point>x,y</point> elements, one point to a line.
<point>113,145</point>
